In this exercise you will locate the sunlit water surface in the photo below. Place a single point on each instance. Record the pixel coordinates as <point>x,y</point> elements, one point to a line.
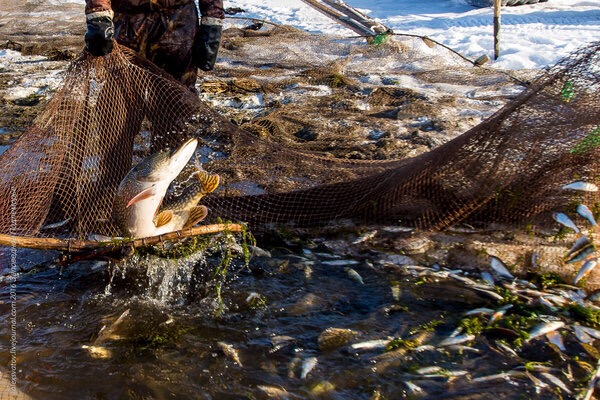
<point>172,342</point>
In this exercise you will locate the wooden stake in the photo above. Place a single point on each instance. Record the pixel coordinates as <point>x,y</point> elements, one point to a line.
<point>497,6</point>
<point>74,245</point>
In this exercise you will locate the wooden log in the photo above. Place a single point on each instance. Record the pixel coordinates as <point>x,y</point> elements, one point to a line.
<point>75,245</point>
<point>497,6</point>
<point>353,13</point>
<point>340,18</point>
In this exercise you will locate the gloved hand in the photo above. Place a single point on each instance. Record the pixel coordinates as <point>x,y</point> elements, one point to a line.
<point>99,35</point>
<point>207,46</point>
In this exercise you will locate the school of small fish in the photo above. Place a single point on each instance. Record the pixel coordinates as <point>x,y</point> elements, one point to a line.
<point>551,327</point>
<point>506,296</point>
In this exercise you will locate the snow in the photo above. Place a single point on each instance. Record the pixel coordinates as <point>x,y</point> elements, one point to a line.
<point>33,75</point>
<point>532,36</point>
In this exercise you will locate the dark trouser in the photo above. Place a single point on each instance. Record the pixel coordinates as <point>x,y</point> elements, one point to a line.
<point>165,37</point>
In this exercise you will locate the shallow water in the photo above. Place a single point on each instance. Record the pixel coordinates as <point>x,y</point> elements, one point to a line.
<point>273,311</point>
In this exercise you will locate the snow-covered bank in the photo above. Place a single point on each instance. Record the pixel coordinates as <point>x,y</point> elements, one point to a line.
<point>532,36</point>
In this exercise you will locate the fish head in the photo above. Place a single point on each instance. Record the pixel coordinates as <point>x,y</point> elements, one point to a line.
<point>166,164</point>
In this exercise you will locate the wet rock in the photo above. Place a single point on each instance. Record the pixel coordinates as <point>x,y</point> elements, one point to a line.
<point>322,388</point>
<point>332,338</point>
<point>258,252</point>
<point>414,245</point>
<point>272,392</point>
<point>396,259</point>
<point>306,304</point>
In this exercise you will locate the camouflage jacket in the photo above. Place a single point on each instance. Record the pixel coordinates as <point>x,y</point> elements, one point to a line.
<point>208,8</point>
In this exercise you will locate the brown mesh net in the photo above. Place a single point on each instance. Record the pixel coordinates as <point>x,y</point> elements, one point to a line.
<point>291,161</point>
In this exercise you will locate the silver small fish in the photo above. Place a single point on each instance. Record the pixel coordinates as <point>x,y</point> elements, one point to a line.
<point>460,278</point>
<point>231,352</point>
<point>462,349</point>
<point>555,299</point>
<point>534,259</point>
<point>585,269</point>
<point>455,373</point>
<point>582,254</point>
<point>456,340</point>
<point>564,220</point>
<point>579,244</point>
<point>307,365</point>
<point>595,333</point>
<point>581,334</point>
<point>495,377</point>
<point>413,389</point>
<point>338,263</point>
<point>354,275</point>
<point>526,283</point>
<point>98,351</point>
<point>307,252</point>
<point>546,303</point>
<point>365,237</point>
<point>581,185</point>
<point>370,344</point>
<point>396,292</point>
<point>489,278</point>
<point>56,224</point>
<point>108,332</point>
<point>308,271</point>
<point>586,213</point>
<point>536,382</point>
<point>499,313</point>
<point>499,268</point>
<point>504,347</point>
<point>253,296</point>
<point>488,293</point>
<point>276,392</point>
<point>556,381</point>
<point>100,238</point>
<point>397,229</point>
<point>556,339</point>
<point>428,370</point>
<point>480,311</point>
<point>424,347</point>
<point>545,328</point>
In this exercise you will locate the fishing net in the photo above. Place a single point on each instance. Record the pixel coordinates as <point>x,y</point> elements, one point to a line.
<point>305,157</point>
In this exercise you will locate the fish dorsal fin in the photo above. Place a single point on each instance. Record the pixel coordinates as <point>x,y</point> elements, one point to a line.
<point>197,214</point>
<point>144,194</point>
<point>209,182</point>
<point>163,218</point>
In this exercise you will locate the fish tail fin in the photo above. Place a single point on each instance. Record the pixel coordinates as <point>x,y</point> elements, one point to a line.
<point>209,181</point>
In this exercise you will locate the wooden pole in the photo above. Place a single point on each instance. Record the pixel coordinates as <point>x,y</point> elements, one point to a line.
<point>497,6</point>
<point>73,245</point>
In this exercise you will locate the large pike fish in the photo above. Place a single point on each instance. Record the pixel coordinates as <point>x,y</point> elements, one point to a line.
<point>141,192</point>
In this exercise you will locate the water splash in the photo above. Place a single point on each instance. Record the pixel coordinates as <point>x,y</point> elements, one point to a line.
<point>169,280</point>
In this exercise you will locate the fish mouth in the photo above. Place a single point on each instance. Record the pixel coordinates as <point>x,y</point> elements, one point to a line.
<point>180,156</point>
<point>166,164</point>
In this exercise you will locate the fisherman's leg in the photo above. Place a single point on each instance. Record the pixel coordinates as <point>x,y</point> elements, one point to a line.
<point>173,52</point>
